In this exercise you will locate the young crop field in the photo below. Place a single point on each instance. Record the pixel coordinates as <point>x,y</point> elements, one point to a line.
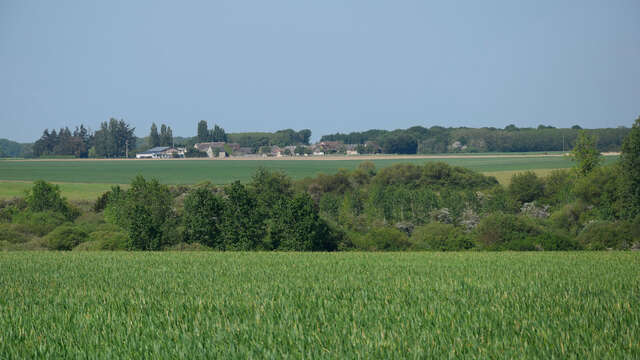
<point>319,305</point>
<point>226,171</point>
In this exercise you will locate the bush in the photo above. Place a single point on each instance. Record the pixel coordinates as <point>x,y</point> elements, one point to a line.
<point>526,187</point>
<point>188,247</point>
<point>382,239</point>
<point>506,232</point>
<point>441,237</point>
<point>10,233</point>
<point>38,223</point>
<point>550,241</point>
<point>601,235</point>
<point>558,187</point>
<point>109,239</point>
<point>571,217</point>
<point>65,237</point>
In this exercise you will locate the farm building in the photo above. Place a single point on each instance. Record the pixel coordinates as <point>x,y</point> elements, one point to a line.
<point>161,152</point>
<point>217,149</point>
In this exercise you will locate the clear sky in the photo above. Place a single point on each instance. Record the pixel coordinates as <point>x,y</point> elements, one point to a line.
<point>327,65</point>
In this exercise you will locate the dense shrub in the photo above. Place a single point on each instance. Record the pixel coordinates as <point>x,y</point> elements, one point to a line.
<point>601,235</point>
<point>500,231</point>
<point>65,237</point>
<point>526,187</point>
<point>188,247</point>
<point>441,237</point>
<point>558,187</point>
<point>202,218</point>
<point>12,234</point>
<point>550,241</point>
<point>109,238</point>
<point>571,217</point>
<point>242,225</point>
<point>603,188</point>
<point>382,239</point>
<point>299,227</point>
<point>38,223</point>
<point>145,212</point>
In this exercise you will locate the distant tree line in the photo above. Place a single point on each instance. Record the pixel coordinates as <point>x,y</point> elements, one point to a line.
<point>285,137</point>
<point>433,206</point>
<point>437,139</point>
<point>217,134</point>
<point>10,148</point>
<point>111,140</point>
<point>64,142</point>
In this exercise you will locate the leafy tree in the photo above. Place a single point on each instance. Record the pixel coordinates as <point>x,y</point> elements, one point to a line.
<point>304,230</point>
<point>630,165</point>
<point>44,196</point>
<point>145,212</point>
<point>203,131</point>
<point>154,138</point>
<point>242,226</point>
<point>113,139</point>
<point>202,217</point>
<point>526,187</point>
<point>585,153</point>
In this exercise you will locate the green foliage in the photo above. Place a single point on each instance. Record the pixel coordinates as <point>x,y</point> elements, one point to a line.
<point>145,212</point>
<point>552,241</point>
<point>242,227</point>
<point>383,239</point>
<point>526,187</point>
<point>12,233</point>
<point>603,189</point>
<point>558,187</point>
<point>571,217</point>
<point>601,235</point>
<point>500,231</point>
<point>630,166</point>
<point>202,217</point>
<point>440,237</point>
<point>154,137</point>
<point>585,153</point>
<point>38,223</point>
<point>114,138</point>
<point>44,196</point>
<point>65,237</point>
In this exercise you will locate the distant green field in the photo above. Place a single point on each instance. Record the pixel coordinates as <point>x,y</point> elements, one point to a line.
<point>171,305</point>
<point>222,172</point>
<point>72,191</point>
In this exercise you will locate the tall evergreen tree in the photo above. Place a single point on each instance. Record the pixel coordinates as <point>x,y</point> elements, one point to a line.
<point>203,131</point>
<point>154,138</point>
<point>218,134</point>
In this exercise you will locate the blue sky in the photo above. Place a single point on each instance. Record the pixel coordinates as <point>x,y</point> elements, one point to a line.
<point>326,65</point>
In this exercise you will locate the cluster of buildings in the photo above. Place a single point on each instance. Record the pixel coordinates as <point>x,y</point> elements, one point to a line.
<point>223,149</point>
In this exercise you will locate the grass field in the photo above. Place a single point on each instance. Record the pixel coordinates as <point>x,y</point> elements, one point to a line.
<point>344,305</point>
<point>86,179</point>
<point>222,172</point>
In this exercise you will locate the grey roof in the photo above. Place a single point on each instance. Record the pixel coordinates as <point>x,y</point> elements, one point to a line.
<point>155,150</point>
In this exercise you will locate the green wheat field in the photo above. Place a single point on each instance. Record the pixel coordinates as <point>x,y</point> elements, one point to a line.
<point>319,305</point>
